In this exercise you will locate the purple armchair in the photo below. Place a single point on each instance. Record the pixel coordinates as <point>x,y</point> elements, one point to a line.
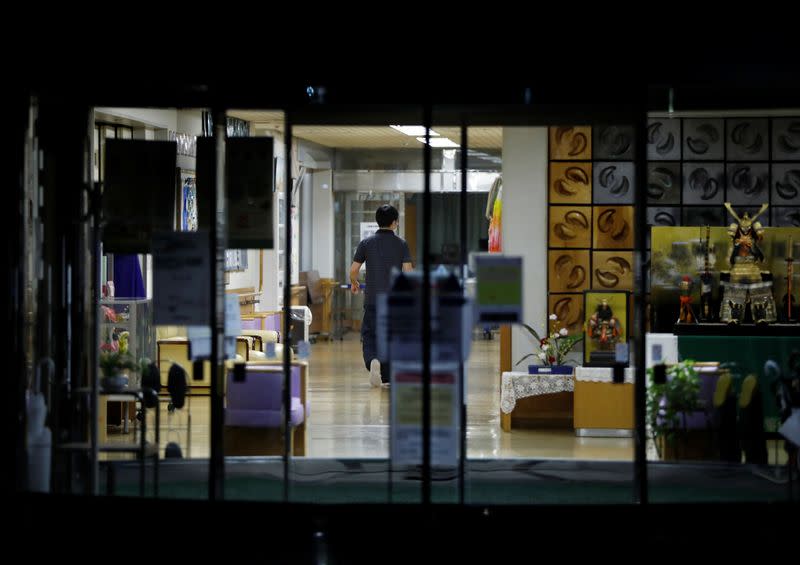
<point>253,415</point>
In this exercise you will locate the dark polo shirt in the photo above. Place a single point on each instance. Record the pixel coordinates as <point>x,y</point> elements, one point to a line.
<point>381,252</point>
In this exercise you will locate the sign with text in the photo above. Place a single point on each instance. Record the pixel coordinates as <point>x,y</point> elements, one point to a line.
<point>406,414</point>
<point>181,279</point>
<point>368,229</point>
<point>498,296</point>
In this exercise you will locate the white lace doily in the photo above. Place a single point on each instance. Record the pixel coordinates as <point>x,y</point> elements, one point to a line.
<point>600,374</point>
<point>521,385</point>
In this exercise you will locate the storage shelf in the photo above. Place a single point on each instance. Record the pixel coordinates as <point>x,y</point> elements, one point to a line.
<point>719,329</point>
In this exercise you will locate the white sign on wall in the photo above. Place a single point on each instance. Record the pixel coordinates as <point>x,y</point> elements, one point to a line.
<point>368,229</point>
<point>181,278</point>
<point>406,414</point>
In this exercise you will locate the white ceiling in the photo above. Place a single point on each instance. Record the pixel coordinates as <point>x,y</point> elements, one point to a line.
<point>367,137</point>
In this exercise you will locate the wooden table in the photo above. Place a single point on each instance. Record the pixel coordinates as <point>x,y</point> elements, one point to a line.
<point>542,401</point>
<point>603,408</point>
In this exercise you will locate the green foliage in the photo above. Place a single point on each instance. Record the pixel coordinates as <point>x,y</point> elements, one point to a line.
<point>112,362</point>
<point>680,395</point>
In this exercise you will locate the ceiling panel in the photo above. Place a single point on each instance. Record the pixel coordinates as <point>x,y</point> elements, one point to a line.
<point>367,137</point>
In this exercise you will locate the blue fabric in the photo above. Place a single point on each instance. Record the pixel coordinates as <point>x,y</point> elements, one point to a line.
<point>128,281</point>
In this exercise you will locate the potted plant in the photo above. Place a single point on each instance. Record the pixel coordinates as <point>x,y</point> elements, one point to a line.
<point>553,349</point>
<point>112,364</point>
<point>669,403</point>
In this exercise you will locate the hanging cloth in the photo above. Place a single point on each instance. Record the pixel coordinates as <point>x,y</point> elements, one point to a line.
<point>493,191</point>
<point>495,223</point>
<point>128,281</point>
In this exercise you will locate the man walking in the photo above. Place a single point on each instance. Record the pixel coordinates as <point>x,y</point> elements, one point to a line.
<point>382,252</point>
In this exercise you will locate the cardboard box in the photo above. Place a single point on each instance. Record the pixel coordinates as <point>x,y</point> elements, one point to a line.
<point>299,295</point>
<point>311,280</point>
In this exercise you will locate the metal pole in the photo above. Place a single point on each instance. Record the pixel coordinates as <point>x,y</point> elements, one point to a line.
<point>640,435</point>
<point>216,481</point>
<point>426,315</point>
<point>287,309</point>
<point>461,380</point>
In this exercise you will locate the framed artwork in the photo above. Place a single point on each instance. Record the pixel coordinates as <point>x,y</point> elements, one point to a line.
<point>568,270</point>
<point>703,139</point>
<point>613,227</point>
<point>606,323</point>
<point>570,183</point>
<point>569,309</point>
<point>613,142</point>
<point>663,139</point>
<point>786,139</point>
<point>570,226</point>
<point>747,139</point>
<point>703,183</point>
<point>786,184</point>
<point>571,143</point>
<point>788,216</point>
<point>188,200</point>
<point>613,183</point>
<point>612,270</point>
<point>748,183</point>
<point>664,216</point>
<point>663,183</point>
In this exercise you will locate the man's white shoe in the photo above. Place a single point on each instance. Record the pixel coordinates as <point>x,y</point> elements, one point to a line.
<point>375,373</point>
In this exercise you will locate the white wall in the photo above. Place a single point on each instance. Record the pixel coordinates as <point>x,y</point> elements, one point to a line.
<point>190,122</point>
<point>524,224</point>
<point>269,298</point>
<point>306,200</point>
<point>322,227</point>
<point>156,118</point>
<point>249,277</point>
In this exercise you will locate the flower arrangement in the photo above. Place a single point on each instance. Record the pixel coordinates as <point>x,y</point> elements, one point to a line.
<point>553,348</point>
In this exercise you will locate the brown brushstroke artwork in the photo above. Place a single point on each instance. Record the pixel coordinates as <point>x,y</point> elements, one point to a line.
<point>570,226</point>
<point>569,309</point>
<point>612,270</point>
<point>572,143</point>
<point>571,183</point>
<point>613,227</point>
<point>568,270</point>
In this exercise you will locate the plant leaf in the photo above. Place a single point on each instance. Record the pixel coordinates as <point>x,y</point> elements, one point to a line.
<point>523,359</point>
<point>532,331</point>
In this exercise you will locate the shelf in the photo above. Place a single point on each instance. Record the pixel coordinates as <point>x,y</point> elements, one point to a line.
<point>752,330</point>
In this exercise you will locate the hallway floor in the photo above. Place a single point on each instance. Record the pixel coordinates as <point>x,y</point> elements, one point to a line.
<point>350,419</point>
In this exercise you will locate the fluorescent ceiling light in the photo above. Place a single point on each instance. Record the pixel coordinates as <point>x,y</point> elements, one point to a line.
<point>439,142</point>
<point>413,131</point>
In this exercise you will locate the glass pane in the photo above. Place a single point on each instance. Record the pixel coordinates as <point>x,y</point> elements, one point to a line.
<point>542,429</point>
<point>254,435</point>
<point>348,173</point>
<point>151,392</point>
<point>723,320</point>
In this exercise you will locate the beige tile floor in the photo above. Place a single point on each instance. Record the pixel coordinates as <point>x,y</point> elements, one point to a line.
<point>350,419</point>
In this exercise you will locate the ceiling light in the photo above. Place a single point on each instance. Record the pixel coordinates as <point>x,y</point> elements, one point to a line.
<point>439,142</point>
<point>413,131</point>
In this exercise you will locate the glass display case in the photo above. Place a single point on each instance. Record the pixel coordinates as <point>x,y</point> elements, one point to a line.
<point>132,315</point>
